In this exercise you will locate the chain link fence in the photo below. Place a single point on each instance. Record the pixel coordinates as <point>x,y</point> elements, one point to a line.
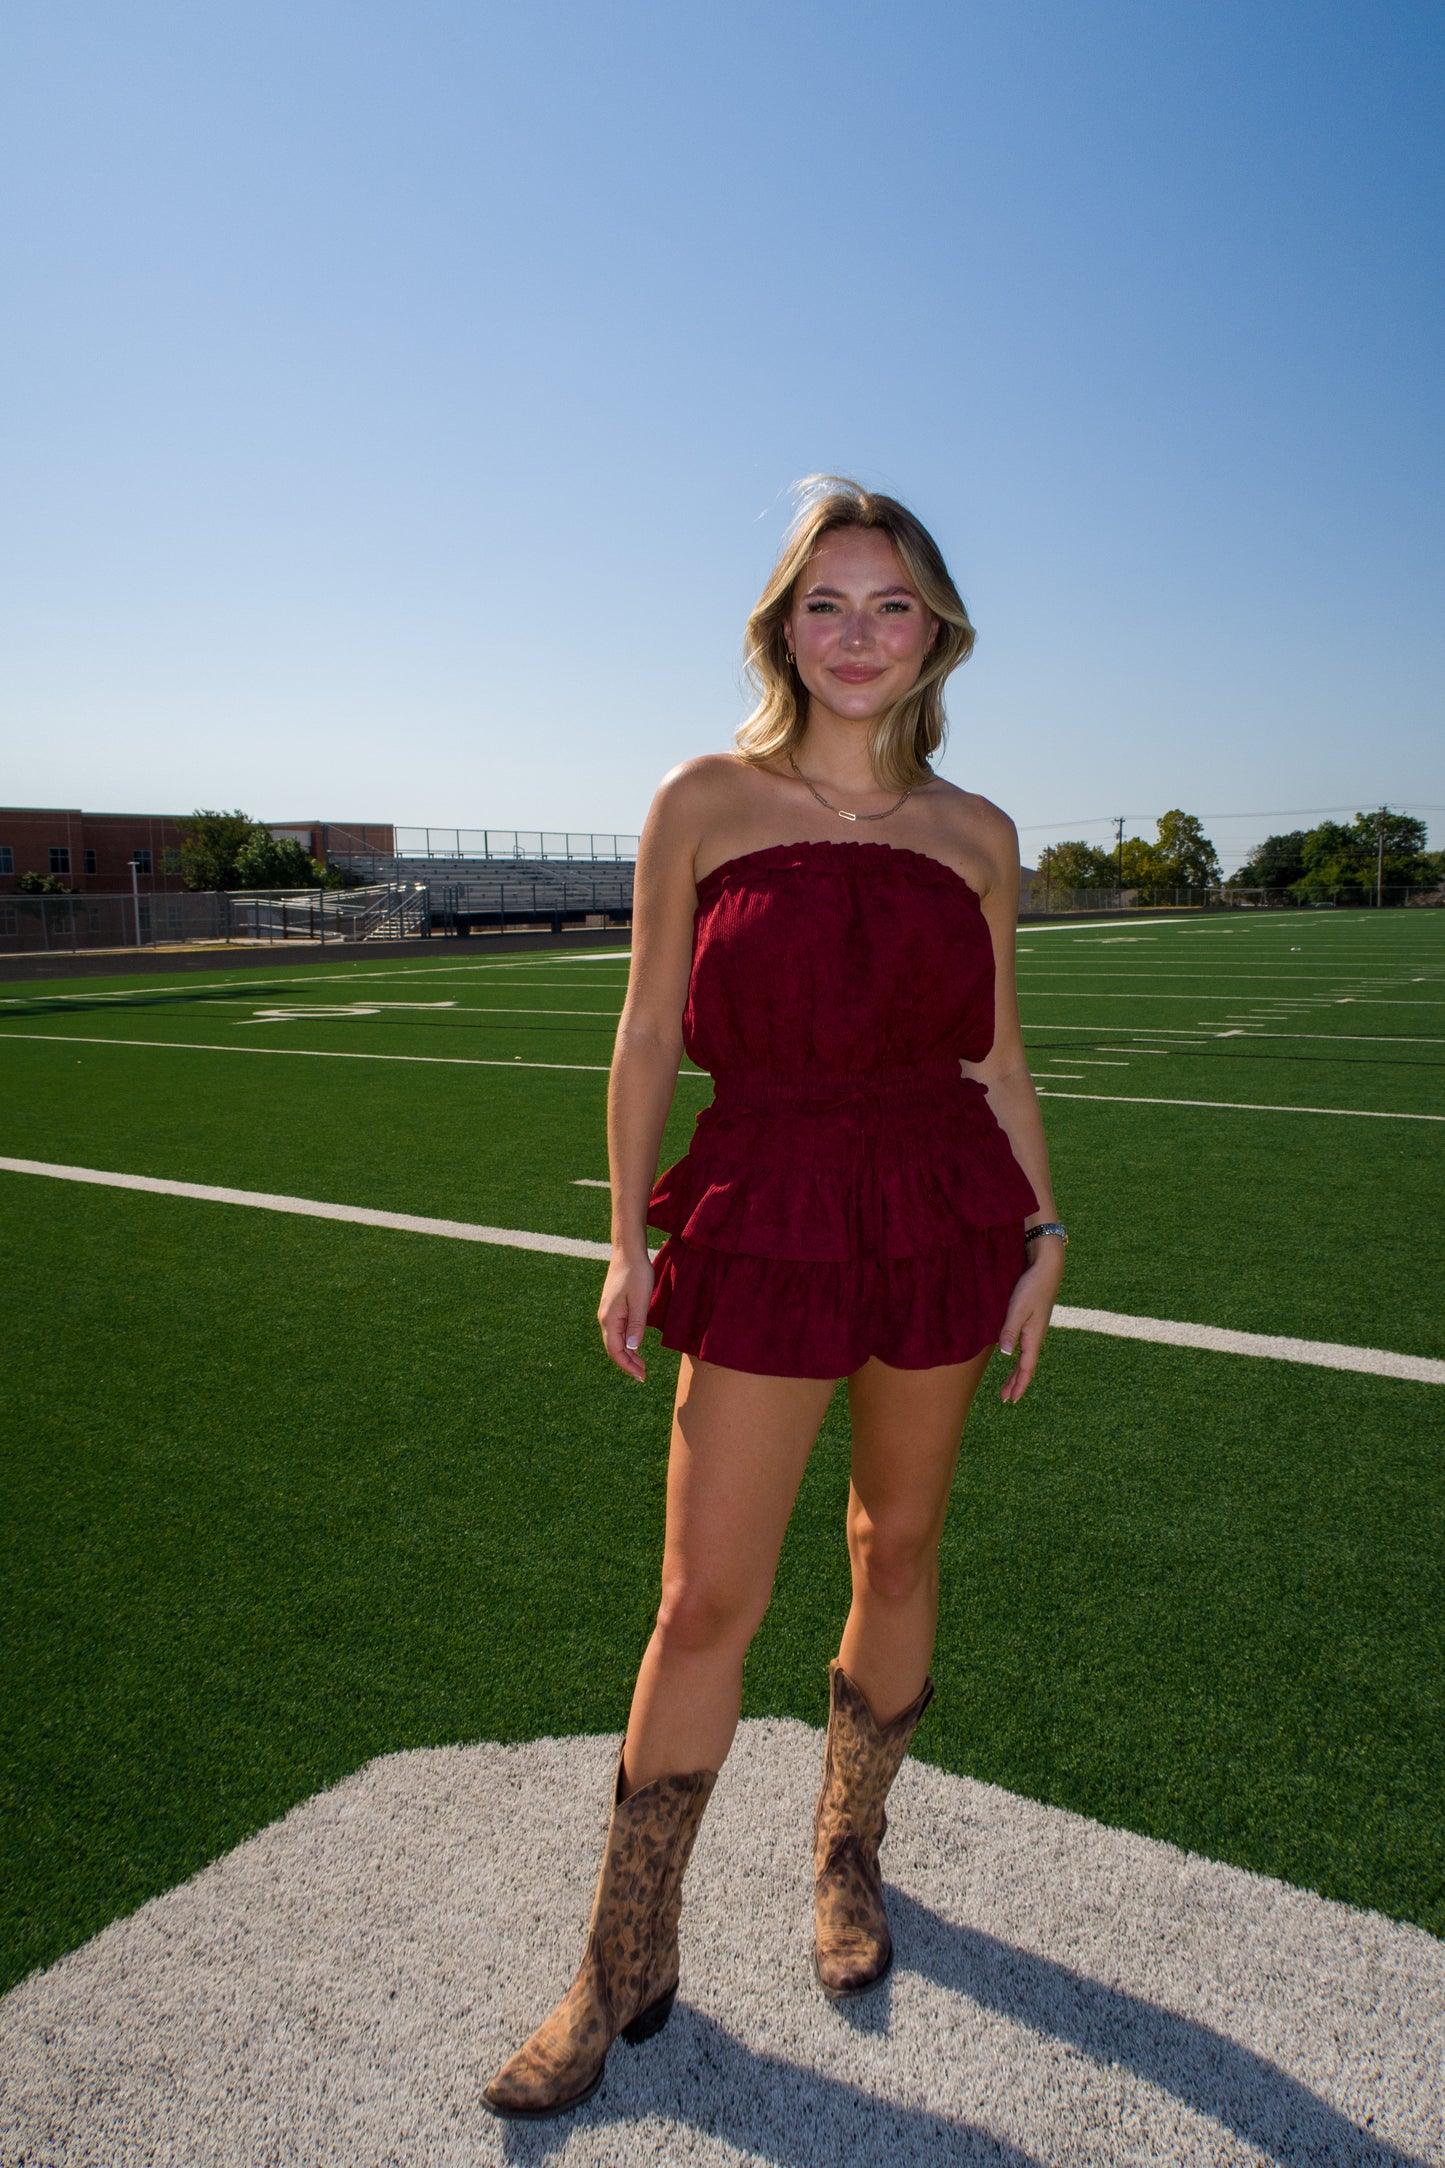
<point>37,925</point>
<point>65,925</point>
<point>1043,897</point>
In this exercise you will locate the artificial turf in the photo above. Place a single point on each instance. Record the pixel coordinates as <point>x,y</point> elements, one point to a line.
<point>283,1494</point>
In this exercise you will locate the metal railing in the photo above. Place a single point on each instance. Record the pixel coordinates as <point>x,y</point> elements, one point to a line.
<point>400,913</point>
<point>1044,896</point>
<point>541,843</point>
<point>389,911</point>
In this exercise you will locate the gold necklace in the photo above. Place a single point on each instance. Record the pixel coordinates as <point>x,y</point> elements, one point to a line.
<point>883,816</point>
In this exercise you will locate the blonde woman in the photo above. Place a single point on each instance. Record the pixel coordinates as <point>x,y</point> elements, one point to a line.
<point>827,927</point>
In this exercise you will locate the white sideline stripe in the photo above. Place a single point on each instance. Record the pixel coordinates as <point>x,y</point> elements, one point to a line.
<point>322,1053</point>
<point>1245,1106</point>
<point>601,1068</point>
<point>408,1223</point>
<point>1277,1347</point>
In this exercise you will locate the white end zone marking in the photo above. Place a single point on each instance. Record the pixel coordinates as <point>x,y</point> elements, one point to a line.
<point>1277,1347</point>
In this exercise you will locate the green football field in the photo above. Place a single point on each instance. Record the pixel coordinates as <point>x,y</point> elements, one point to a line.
<point>284,1493</point>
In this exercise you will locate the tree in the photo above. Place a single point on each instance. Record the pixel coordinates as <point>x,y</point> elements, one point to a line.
<point>1073,865</point>
<point>211,843</point>
<point>267,861</point>
<point>1184,855</point>
<point>1136,864</point>
<point>42,884</point>
<point>1336,856</point>
<point>1276,863</point>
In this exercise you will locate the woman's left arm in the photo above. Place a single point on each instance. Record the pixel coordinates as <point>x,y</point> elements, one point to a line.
<point>1011,1094</point>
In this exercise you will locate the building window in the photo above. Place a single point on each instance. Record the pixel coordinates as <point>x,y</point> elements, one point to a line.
<point>9,919</point>
<point>59,858</point>
<point>142,861</point>
<point>170,861</point>
<point>7,858</point>
<point>90,861</point>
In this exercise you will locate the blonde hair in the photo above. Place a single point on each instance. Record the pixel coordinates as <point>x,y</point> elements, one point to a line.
<point>906,735</point>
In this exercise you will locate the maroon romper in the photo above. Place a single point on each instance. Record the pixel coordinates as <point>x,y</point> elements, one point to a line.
<point>848,1193</point>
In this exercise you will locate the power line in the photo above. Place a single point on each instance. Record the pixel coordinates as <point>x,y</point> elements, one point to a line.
<point>1276,813</point>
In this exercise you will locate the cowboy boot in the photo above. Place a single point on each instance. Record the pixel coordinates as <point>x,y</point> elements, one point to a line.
<point>627,1981</point>
<point>854,1948</point>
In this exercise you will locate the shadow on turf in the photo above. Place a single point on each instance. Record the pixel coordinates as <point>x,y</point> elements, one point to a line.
<point>798,2118</point>
<point>120,1004</point>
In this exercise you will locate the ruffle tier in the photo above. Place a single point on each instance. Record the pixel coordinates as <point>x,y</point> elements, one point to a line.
<point>824,1187</point>
<point>796,1318</point>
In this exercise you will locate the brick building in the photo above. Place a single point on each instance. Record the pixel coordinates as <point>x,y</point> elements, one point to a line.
<point>325,840</point>
<point>92,852</point>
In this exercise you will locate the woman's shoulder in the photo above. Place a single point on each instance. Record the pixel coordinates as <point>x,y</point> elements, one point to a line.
<point>976,834</point>
<point>693,802</point>
<point>697,792</point>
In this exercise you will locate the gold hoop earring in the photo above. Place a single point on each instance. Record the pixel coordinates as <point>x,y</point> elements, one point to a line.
<point>792,659</point>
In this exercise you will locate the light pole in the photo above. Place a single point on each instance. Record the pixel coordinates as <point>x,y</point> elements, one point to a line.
<point>1380,866</point>
<point>135,896</point>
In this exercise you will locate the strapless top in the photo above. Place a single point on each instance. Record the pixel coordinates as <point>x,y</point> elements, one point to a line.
<point>835,988</point>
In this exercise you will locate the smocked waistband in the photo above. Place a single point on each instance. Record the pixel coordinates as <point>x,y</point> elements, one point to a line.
<point>917,1084</point>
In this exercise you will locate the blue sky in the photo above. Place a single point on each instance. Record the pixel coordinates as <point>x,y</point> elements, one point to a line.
<point>401,401</point>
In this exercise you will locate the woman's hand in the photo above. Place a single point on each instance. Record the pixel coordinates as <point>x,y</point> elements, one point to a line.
<point>1030,1308</point>
<point>622,1312</point>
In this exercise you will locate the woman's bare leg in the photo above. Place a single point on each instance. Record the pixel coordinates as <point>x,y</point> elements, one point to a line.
<point>907,1427</point>
<point>740,1444</point>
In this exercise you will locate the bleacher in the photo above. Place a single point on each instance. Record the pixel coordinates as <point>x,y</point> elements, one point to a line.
<point>491,892</point>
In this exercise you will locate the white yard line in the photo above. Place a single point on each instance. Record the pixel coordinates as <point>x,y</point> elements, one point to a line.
<point>1246,1106</point>
<point>1168,1332</point>
<point>597,1068</point>
<point>320,978</point>
<point>317,1053</point>
<point>1330,1001</point>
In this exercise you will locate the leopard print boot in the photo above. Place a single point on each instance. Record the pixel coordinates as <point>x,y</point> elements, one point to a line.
<point>627,1982</point>
<point>854,1948</point>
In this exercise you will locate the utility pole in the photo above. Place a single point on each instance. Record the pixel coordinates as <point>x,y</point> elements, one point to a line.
<point>1119,824</point>
<point>1380,866</point>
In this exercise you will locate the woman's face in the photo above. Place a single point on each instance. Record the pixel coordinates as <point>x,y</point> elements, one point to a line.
<point>858,625</point>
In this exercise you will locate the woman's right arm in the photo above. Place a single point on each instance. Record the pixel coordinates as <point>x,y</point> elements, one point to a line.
<point>647,1056</point>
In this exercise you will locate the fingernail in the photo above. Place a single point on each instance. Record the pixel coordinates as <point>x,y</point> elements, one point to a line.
<point>633,1346</point>
<point>1005,1347</point>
